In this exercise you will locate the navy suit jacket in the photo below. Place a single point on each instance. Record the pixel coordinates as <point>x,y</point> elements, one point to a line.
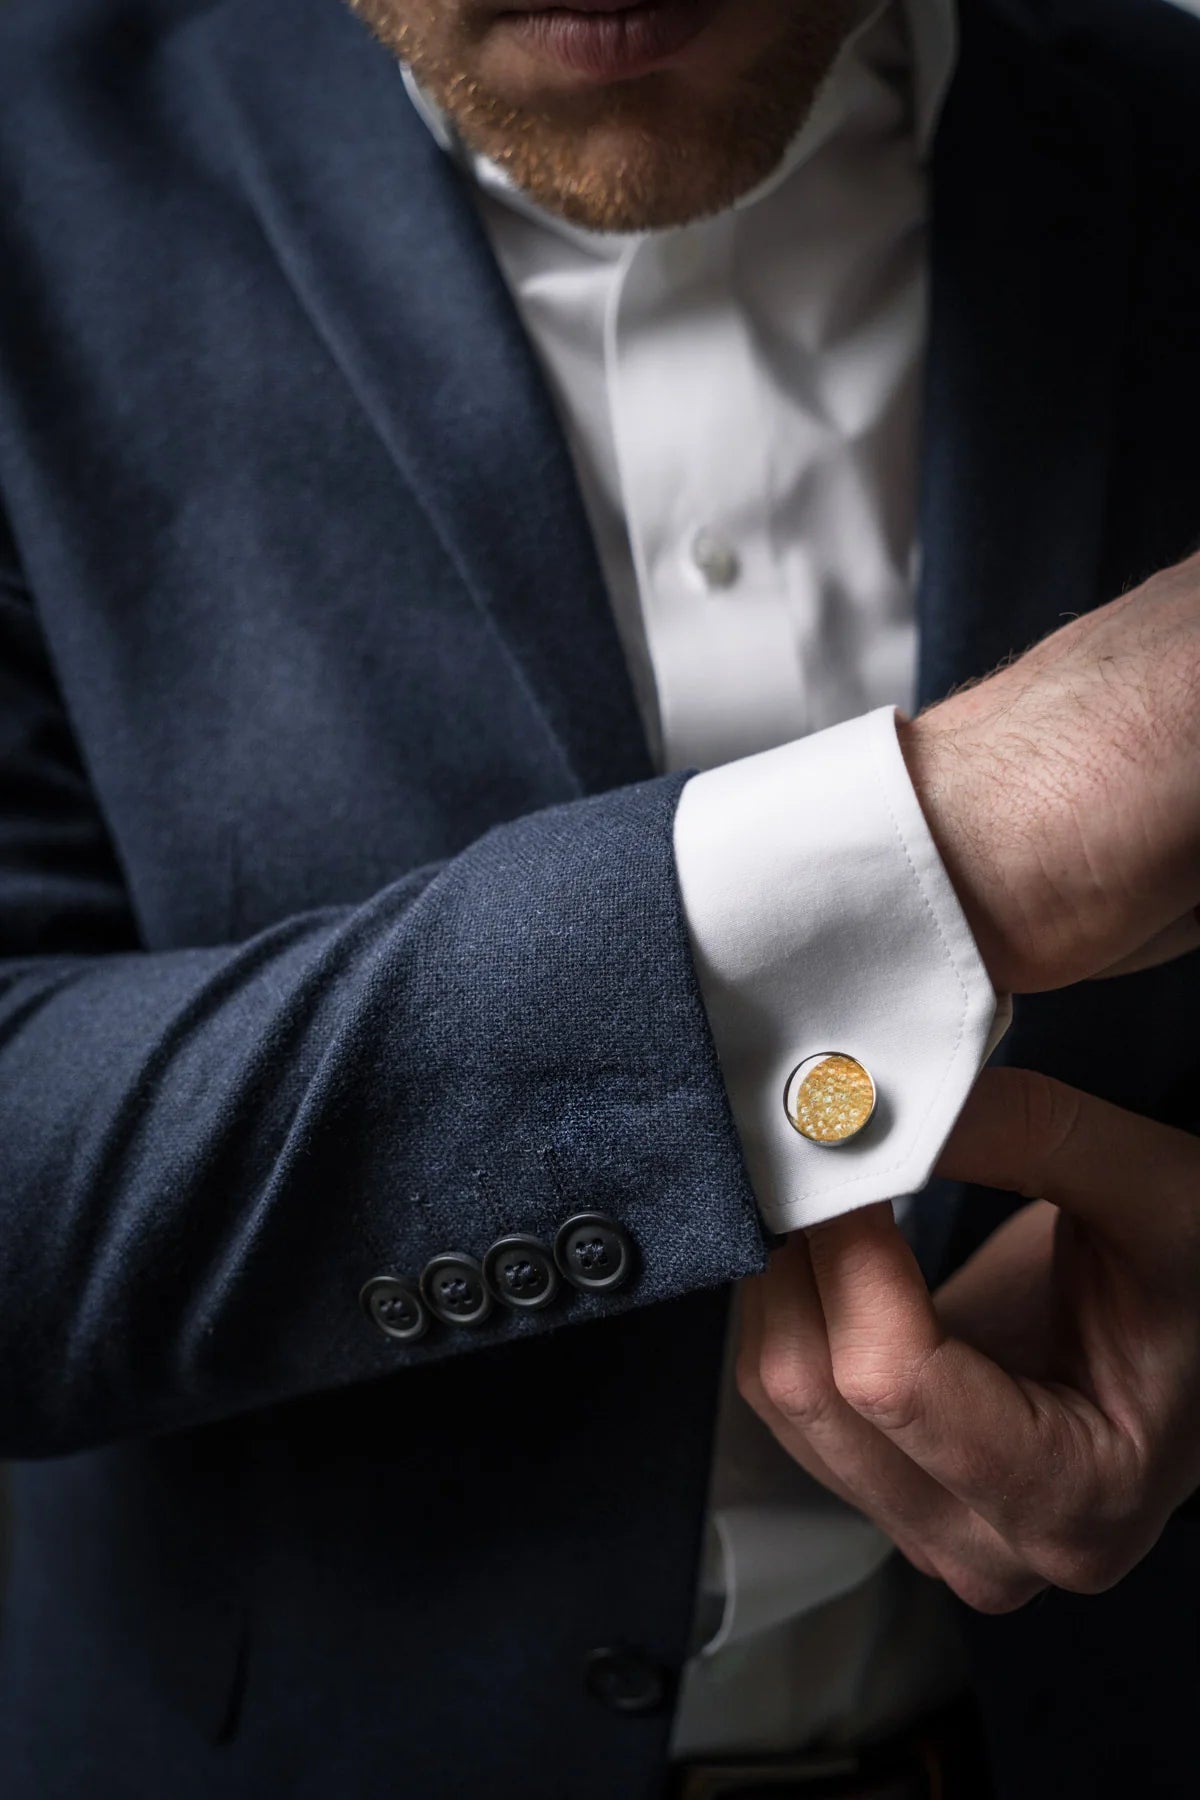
<point>339,924</point>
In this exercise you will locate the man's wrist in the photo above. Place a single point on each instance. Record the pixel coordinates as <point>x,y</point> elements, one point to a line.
<point>952,788</point>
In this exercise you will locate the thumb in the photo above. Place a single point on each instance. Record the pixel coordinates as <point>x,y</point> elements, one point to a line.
<point>1126,1176</point>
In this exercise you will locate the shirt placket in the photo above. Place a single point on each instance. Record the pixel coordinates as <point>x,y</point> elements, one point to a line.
<point>691,415</point>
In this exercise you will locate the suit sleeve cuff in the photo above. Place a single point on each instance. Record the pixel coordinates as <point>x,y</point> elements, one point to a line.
<point>821,919</point>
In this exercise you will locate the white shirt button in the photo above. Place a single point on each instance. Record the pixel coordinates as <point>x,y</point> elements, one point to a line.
<point>716,559</point>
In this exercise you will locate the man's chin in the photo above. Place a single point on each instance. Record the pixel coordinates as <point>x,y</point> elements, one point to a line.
<point>674,145</point>
<point>631,177</point>
<point>642,156</point>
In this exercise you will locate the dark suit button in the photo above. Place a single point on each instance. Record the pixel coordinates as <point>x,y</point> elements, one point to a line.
<point>395,1309</point>
<point>627,1680</point>
<point>594,1253</point>
<point>454,1290</point>
<point>521,1273</point>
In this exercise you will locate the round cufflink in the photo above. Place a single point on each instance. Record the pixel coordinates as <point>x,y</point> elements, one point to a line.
<point>452,1287</point>
<point>393,1306</point>
<point>520,1272</point>
<point>830,1098</point>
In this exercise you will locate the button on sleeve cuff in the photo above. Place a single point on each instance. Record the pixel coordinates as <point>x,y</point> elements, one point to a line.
<point>822,921</point>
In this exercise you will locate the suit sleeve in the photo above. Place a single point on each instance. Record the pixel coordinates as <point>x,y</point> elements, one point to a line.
<point>205,1154</point>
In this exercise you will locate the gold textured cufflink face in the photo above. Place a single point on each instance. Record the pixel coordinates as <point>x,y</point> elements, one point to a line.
<point>829,1098</point>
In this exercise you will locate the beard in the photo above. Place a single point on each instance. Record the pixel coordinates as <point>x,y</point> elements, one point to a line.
<point>641,155</point>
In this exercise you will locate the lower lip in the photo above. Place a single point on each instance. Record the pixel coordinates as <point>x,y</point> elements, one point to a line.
<point>615,46</point>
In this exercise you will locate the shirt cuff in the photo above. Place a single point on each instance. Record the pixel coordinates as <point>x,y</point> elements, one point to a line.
<point>821,920</point>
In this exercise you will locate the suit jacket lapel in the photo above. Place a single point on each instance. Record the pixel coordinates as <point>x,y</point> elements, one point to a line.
<point>1031,253</point>
<point>376,231</point>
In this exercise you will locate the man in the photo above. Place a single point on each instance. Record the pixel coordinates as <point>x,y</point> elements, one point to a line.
<point>406,484</point>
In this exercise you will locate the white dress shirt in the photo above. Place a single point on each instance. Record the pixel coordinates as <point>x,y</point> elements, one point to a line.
<point>741,399</point>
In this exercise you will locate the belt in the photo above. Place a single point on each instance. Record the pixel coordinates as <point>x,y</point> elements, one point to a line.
<point>943,1759</point>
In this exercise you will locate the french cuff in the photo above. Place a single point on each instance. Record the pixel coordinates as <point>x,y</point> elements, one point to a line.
<point>850,1008</point>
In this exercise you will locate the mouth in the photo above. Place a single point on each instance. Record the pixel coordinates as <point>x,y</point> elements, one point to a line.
<point>609,40</point>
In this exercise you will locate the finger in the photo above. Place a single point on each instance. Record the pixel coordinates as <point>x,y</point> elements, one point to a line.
<point>791,1378</point>
<point>785,1428</point>
<point>792,1438</point>
<point>794,1381</point>
<point>753,1296</point>
<point>750,1383</point>
<point>1035,1136</point>
<point>1002,1299</point>
<point>1010,1450</point>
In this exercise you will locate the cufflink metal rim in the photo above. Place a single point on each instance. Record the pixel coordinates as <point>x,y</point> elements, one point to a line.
<point>807,1067</point>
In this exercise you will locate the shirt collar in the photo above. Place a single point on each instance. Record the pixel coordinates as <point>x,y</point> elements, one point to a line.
<point>933,34</point>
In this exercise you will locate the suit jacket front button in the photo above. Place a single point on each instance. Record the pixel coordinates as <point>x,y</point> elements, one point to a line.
<point>453,1289</point>
<point>627,1680</point>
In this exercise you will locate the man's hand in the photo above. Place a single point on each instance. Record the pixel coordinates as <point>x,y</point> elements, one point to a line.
<point>1064,791</point>
<point>1038,1421</point>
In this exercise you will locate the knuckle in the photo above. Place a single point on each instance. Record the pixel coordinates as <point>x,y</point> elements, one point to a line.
<point>1088,1565</point>
<point>801,1392</point>
<point>993,1595</point>
<point>1099,1536</point>
<point>885,1395</point>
